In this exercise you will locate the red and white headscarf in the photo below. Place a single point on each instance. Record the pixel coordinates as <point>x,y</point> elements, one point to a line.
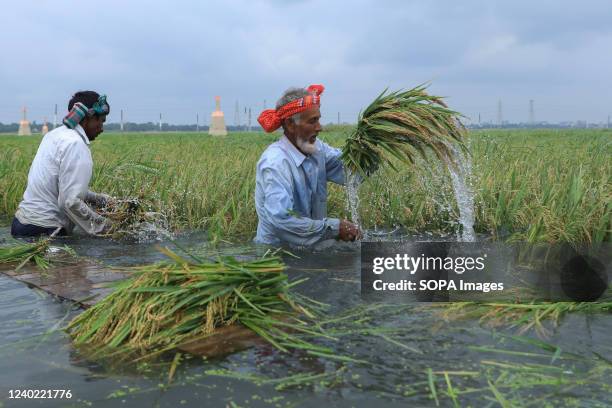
<point>271,119</point>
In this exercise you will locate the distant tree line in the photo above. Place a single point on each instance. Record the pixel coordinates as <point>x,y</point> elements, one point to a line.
<point>152,127</point>
<point>330,127</point>
<point>541,125</point>
<point>133,127</point>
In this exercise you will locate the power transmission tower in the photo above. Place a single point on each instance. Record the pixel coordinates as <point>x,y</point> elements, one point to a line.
<point>55,117</point>
<point>249,119</point>
<point>160,122</point>
<point>121,125</point>
<point>500,117</point>
<point>197,122</point>
<point>531,113</point>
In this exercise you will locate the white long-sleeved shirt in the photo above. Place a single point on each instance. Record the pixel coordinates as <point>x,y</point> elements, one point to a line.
<point>291,194</point>
<point>58,183</point>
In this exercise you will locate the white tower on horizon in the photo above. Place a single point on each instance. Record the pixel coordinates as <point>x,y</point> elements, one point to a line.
<point>217,120</point>
<point>45,129</point>
<point>24,125</point>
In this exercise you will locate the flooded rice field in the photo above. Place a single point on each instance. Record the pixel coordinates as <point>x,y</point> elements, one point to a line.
<point>387,353</point>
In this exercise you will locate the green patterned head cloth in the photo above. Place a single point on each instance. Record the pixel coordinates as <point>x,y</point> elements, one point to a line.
<point>79,112</point>
<point>100,107</point>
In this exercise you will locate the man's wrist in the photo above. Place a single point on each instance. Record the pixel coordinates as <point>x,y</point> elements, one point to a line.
<point>332,228</point>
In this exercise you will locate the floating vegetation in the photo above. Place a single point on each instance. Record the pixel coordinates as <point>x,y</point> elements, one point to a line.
<point>402,125</point>
<point>170,303</point>
<point>282,383</point>
<point>550,373</point>
<point>512,371</point>
<point>21,254</point>
<point>524,316</point>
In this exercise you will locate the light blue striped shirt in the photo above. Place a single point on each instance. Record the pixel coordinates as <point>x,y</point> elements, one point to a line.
<point>291,194</point>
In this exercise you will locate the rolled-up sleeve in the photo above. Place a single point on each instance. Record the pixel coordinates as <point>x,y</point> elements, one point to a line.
<point>278,209</point>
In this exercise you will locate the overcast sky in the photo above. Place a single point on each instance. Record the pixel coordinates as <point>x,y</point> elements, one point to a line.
<point>174,57</point>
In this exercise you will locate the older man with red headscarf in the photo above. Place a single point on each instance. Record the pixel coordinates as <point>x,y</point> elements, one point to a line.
<point>292,175</point>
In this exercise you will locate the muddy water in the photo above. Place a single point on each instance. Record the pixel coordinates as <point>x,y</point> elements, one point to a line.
<point>392,372</point>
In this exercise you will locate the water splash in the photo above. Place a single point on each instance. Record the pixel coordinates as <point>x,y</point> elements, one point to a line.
<point>154,227</point>
<point>460,169</point>
<point>434,179</point>
<point>353,180</point>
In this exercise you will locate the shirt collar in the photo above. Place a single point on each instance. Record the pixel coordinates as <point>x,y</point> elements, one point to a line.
<point>82,133</point>
<point>297,156</point>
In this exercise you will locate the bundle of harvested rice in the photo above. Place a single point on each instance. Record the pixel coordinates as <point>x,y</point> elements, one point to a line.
<point>121,211</point>
<point>20,254</point>
<point>402,125</point>
<point>130,219</point>
<point>168,303</point>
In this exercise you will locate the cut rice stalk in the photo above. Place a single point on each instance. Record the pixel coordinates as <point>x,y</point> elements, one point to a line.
<point>21,254</point>
<point>170,303</point>
<point>402,125</point>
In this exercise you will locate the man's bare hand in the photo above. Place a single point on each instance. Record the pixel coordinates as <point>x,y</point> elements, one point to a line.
<point>348,231</point>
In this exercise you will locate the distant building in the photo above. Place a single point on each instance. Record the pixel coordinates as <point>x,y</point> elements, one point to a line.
<point>24,125</point>
<point>217,120</point>
<point>45,128</point>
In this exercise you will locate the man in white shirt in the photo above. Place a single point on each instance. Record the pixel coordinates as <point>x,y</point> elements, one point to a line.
<point>57,196</point>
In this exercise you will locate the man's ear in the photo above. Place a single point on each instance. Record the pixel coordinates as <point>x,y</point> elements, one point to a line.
<point>289,125</point>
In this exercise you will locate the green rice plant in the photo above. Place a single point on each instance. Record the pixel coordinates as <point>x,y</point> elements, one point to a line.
<point>21,254</point>
<point>169,303</point>
<point>402,125</point>
<point>123,213</point>
<point>548,186</point>
<point>529,185</point>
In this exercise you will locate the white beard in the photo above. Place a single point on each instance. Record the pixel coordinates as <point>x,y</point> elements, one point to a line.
<point>306,147</point>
